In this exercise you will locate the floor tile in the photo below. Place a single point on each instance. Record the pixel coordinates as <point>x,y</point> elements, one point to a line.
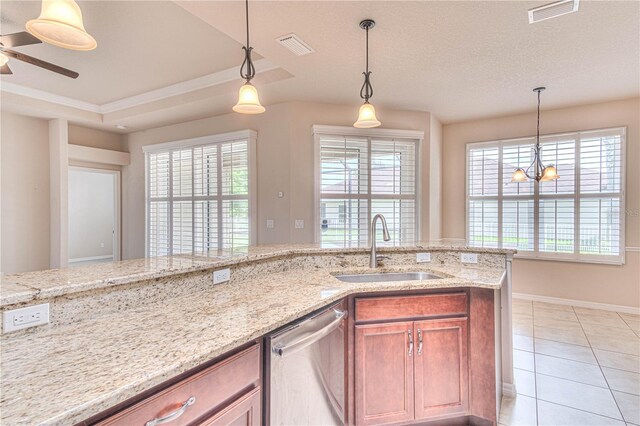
<point>555,314</point>
<point>523,360</point>
<point>575,337</point>
<point>596,312</point>
<point>623,381</point>
<point>629,405</point>
<point>525,329</point>
<point>522,318</point>
<point>518,411</point>
<point>553,306</point>
<point>523,343</point>
<point>565,350</point>
<point>626,316</point>
<point>592,329</point>
<point>623,345</point>
<point>525,382</point>
<point>577,395</point>
<point>608,321</point>
<point>556,323</point>
<point>571,370</point>
<point>617,360</point>
<point>557,415</point>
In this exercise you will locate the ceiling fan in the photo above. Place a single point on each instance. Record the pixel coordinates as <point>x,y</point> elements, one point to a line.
<point>24,39</point>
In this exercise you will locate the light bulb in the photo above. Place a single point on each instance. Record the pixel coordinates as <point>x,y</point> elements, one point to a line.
<point>60,24</point>
<point>519,175</point>
<point>366,117</point>
<point>3,59</point>
<point>248,101</point>
<point>549,173</point>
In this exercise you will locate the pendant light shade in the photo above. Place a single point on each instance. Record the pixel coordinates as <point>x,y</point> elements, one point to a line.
<point>60,24</point>
<point>366,117</point>
<point>367,113</point>
<point>3,59</point>
<point>248,101</point>
<point>541,173</point>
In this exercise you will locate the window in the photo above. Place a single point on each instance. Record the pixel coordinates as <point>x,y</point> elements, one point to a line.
<point>199,194</point>
<point>361,174</point>
<point>578,217</point>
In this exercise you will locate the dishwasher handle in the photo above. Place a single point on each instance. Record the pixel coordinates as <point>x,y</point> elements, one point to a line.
<point>302,343</point>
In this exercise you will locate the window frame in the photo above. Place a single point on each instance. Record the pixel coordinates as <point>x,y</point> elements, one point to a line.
<point>576,256</point>
<point>250,136</point>
<point>318,131</point>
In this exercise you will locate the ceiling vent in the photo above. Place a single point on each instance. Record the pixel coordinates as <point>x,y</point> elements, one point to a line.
<point>295,44</point>
<point>552,10</point>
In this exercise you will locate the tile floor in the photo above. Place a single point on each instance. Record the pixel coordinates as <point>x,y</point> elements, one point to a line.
<point>573,367</point>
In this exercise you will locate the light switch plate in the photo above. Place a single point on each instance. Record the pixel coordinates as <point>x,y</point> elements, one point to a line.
<point>423,257</point>
<point>18,319</point>
<point>280,194</point>
<point>221,275</point>
<point>469,257</point>
<point>299,223</point>
<point>270,224</point>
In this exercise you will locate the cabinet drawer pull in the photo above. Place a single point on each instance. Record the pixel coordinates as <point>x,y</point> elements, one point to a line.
<point>410,342</point>
<point>169,417</point>
<point>419,342</point>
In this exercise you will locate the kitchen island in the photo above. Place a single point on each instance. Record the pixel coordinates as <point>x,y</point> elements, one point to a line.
<point>118,330</point>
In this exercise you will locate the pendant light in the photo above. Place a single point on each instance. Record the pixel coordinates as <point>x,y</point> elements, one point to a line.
<point>542,173</point>
<point>367,113</point>
<point>60,24</point>
<point>248,101</point>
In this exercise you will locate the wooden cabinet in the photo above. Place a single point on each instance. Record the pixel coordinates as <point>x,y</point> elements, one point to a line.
<point>384,373</point>
<point>227,392</point>
<point>441,373</point>
<point>415,370</point>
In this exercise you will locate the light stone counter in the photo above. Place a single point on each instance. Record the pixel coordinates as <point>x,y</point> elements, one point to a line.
<point>66,373</point>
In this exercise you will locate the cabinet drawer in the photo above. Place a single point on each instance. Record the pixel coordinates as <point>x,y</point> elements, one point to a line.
<point>427,305</point>
<point>210,388</point>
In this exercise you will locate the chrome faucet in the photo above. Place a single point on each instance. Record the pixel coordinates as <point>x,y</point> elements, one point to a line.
<point>385,236</point>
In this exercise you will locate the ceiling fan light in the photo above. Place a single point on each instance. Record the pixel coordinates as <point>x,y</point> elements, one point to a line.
<point>519,175</point>
<point>3,59</point>
<point>60,23</point>
<point>248,101</point>
<point>367,117</point>
<point>549,173</point>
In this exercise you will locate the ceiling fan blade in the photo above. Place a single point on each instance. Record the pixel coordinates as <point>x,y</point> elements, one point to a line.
<point>5,69</point>
<point>39,63</point>
<point>18,39</point>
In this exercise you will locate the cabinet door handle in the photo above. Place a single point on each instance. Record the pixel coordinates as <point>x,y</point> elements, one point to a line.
<point>169,417</point>
<point>410,342</point>
<point>419,342</point>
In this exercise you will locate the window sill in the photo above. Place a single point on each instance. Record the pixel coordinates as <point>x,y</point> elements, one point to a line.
<point>557,257</point>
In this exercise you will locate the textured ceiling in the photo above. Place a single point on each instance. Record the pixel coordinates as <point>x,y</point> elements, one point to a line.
<point>142,45</point>
<point>460,60</point>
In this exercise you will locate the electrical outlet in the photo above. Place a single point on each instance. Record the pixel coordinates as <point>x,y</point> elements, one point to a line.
<point>299,223</point>
<point>221,275</point>
<point>423,257</point>
<point>270,224</point>
<point>280,194</point>
<point>469,257</point>
<point>30,316</point>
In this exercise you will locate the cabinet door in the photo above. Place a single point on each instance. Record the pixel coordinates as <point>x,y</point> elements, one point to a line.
<point>384,373</point>
<point>245,411</point>
<point>441,368</point>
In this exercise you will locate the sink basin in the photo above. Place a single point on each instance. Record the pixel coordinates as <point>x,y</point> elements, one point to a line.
<point>387,276</point>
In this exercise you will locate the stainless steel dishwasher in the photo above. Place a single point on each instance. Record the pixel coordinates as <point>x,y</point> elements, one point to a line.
<point>306,371</point>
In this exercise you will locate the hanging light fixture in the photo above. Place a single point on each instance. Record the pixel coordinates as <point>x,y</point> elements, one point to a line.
<point>541,172</point>
<point>60,24</point>
<point>248,101</point>
<point>367,113</point>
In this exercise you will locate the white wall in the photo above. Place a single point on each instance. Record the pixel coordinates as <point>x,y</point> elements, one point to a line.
<point>618,285</point>
<point>284,163</point>
<point>91,213</point>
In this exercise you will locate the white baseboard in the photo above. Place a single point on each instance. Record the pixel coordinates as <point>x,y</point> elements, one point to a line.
<point>580,303</point>
<point>509,390</point>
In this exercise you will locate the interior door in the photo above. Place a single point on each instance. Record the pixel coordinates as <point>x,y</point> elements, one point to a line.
<point>441,368</point>
<point>384,373</point>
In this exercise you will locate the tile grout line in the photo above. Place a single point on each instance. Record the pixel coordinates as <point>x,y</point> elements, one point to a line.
<point>601,371</point>
<point>628,325</point>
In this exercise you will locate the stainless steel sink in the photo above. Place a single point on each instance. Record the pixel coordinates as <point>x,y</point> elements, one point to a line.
<point>387,276</point>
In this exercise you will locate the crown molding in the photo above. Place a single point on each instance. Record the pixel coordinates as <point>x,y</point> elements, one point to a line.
<point>209,80</point>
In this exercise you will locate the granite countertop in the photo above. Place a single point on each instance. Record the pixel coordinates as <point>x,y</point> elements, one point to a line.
<point>28,286</point>
<point>71,372</point>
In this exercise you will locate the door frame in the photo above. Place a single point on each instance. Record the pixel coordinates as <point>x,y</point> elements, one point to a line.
<point>117,213</point>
